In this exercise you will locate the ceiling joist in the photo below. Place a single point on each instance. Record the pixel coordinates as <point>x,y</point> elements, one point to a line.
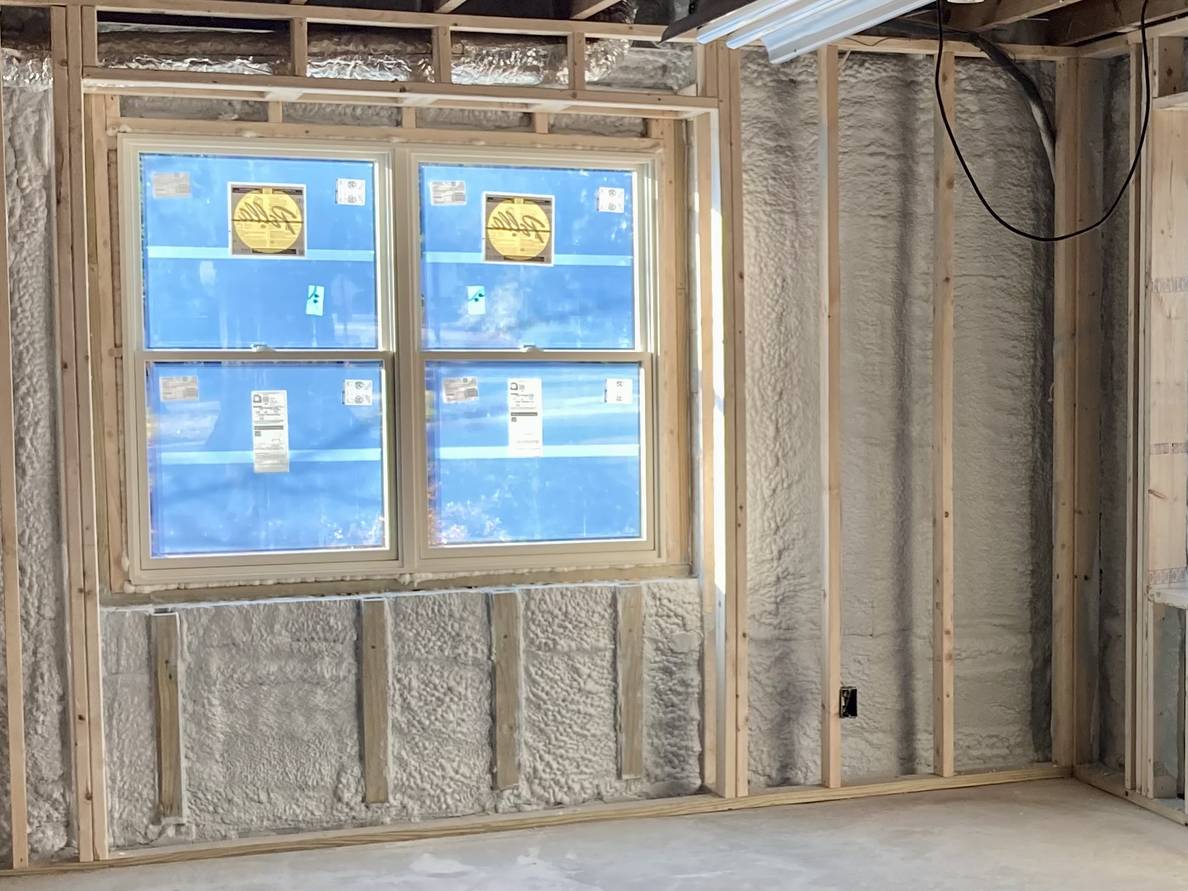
<point>583,9</point>
<point>1091,19</point>
<point>992,13</point>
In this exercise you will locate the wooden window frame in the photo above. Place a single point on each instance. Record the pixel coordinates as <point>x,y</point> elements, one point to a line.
<point>411,563</point>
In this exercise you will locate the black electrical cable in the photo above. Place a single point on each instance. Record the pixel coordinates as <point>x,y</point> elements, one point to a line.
<point>1048,239</point>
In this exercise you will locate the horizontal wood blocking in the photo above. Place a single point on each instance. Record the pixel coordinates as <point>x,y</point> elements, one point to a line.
<point>286,88</point>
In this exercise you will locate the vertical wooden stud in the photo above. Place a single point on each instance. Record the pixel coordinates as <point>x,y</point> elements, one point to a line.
<point>1064,415</point>
<point>166,635</point>
<point>1161,526</point>
<point>374,674</point>
<point>77,482</point>
<point>299,47</point>
<point>90,36</point>
<point>1135,463</point>
<point>830,384</point>
<point>1087,398</point>
<point>712,632</point>
<point>629,651</point>
<point>944,213</point>
<point>14,673</point>
<point>443,48</point>
<point>506,661</point>
<point>577,62</point>
<point>540,122</point>
<point>730,436</point>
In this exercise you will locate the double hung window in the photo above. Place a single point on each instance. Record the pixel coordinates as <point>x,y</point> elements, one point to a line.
<point>343,360</point>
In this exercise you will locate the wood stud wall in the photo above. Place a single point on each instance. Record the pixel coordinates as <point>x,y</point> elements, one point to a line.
<point>714,130</point>
<point>9,555</point>
<point>944,213</point>
<point>830,402</point>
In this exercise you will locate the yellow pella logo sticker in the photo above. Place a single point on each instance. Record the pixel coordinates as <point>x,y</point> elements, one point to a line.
<point>268,220</point>
<point>518,229</point>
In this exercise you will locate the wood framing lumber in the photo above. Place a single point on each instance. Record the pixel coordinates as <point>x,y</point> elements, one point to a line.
<point>1087,399</point>
<point>298,47</point>
<point>993,13</point>
<point>445,6</point>
<point>712,630</point>
<point>68,135</point>
<point>506,685</point>
<point>302,89</point>
<point>14,676</point>
<point>166,637</point>
<point>629,662</point>
<point>1091,19</point>
<point>590,813</point>
<point>830,441</point>
<point>1163,369</point>
<point>374,674</point>
<point>1135,451</point>
<point>944,214</point>
<point>443,48</point>
<point>1064,415</point>
<point>730,435</point>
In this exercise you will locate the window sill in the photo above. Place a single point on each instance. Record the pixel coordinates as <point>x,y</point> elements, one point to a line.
<point>159,595</point>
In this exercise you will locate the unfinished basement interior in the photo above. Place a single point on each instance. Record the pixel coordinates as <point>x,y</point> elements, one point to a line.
<point>579,444</point>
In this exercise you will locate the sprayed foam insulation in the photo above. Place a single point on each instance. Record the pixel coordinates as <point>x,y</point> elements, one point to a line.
<point>1002,420</point>
<point>271,724</point>
<point>269,696</point>
<point>29,178</point>
<point>1110,606</point>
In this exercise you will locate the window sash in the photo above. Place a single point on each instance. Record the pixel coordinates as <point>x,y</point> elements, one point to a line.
<point>377,558</point>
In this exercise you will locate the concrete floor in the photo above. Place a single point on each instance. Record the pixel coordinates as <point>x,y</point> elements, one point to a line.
<point>1056,834</point>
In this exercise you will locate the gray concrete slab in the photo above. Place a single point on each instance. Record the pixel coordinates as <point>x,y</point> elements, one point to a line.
<point>1046,835</point>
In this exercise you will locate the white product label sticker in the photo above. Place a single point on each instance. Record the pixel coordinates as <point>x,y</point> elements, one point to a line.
<point>447,192</point>
<point>315,300</point>
<point>618,391</point>
<point>611,199</point>
<point>476,300</point>
<point>459,389</point>
<point>179,388</point>
<point>525,429</point>
<point>270,431</point>
<point>352,192</point>
<point>357,392</point>
<point>171,185</point>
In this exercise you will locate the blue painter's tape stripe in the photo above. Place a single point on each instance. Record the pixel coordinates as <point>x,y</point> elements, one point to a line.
<point>184,252</point>
<point>456,453</point>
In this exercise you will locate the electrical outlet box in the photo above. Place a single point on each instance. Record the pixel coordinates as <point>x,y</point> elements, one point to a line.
<point>848,703</point>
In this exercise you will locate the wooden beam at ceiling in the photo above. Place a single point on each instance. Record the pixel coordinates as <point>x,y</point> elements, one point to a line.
<point>1091,19</point>
<point>993,13</point>
<point>443,6</point>
<point>584,9</point>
